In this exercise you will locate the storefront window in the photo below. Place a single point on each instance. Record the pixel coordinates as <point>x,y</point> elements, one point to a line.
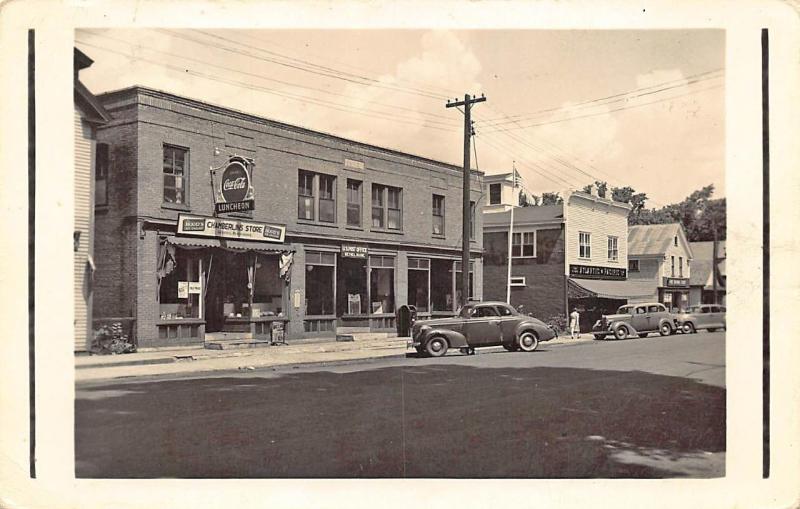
<point>381,284</point>
<point>418,283</point>
<point>179,291</point>
<point>268,287</point>
<point>441,275</point>
<point>351,294</point>
<point>320,270</point>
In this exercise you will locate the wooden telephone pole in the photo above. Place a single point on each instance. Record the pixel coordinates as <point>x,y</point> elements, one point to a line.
<point>466,212</point>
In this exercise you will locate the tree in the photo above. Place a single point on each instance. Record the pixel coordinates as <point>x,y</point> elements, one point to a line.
<point>629,195</point>
<point>602,188</point>
<point>551,199</point>
<point>698,213</point>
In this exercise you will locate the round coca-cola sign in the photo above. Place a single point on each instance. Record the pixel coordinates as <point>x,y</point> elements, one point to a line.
<point>235,182</point>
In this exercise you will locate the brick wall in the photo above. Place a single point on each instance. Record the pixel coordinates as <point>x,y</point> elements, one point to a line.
<point>543,294</point>
<point>115,225</point>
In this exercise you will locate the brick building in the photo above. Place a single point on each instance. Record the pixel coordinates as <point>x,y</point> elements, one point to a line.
<point>569,255</point>
<point>89,114</point>
<point>351,231</point>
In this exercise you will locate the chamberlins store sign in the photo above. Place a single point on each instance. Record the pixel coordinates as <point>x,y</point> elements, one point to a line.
<point>203,226</point>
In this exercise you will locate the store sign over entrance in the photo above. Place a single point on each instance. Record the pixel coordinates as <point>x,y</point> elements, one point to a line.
<point>349,251</point>
<point>233,185</point>
<point>676,282</point>
<point>229,228</point>
<point>593,272</point>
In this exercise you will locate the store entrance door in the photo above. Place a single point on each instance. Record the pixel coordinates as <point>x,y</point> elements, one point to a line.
<point>215,295</point>
<point>227,289</point>
<point>351,283</point>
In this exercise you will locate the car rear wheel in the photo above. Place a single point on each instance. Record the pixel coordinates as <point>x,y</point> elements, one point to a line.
<point>688,328</point>
<point>665,329</point>
<point>621,332</point>
<point>436,347</point>
<point>528,341</point>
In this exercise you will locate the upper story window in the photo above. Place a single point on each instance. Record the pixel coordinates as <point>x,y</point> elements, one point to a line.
<point>672,270</point>
<point>438,214</point>
<point>680,266</point>
<point>584,245</point>
<point>633,265</point>
<point>494,194</point>
<point>176,175</point>
<point>675,241</point>
<point>613,251</point>
<point>353,202</point>
<point>523,245</point>
<point>387,207</point>
<point>316,196</point>
<point>101,175</point>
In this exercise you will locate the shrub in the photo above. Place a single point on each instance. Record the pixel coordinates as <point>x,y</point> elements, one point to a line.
<point>559,323</point>
<point>111,339</point>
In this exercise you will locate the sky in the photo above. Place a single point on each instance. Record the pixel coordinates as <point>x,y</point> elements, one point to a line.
<point>639,108</point>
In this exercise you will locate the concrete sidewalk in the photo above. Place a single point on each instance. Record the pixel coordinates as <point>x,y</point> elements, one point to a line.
<point>199,360</point>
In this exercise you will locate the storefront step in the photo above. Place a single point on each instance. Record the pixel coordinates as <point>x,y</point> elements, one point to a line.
<point>231,344</point>
<point>352,330</point>
<point>229,336</point>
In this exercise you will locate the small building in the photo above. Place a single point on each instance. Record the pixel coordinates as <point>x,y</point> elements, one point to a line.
<point>318,234</point>
<point>660,257</point>
<point>563,256</point>
<point>89,114</point>
<point>502,192</point>
<point>701,282</point>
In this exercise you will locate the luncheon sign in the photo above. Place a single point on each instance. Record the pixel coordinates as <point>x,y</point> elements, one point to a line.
<point>229,228</point>
<point>233,185</point>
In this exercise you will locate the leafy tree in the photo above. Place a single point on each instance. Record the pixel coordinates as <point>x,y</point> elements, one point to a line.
<point>551,199</point>
<point>698,213</point>
<point>602,188</point>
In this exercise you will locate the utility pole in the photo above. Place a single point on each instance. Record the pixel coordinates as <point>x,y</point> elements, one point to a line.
<point>465,212</point>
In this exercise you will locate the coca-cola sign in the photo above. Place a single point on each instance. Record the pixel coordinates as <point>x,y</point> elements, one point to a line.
<point>235,182</point>
<point>233,185</point>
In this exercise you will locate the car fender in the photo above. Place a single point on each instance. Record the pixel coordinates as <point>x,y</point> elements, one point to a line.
<point>543,332</point>
<point>454,339</point>
<point>631,329</point>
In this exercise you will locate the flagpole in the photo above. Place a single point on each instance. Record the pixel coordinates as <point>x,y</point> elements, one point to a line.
<point>508,276</point>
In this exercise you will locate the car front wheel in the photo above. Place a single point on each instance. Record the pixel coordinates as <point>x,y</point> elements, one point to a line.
<point>528,342</point>
<point>436,347</point>
<point>688,328</point>
<point>665,329</point>
<point>621,332</point>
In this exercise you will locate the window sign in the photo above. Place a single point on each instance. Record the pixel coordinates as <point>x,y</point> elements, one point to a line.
<point>183,289</point>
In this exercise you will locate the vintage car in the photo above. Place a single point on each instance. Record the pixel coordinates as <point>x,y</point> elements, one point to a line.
<point>480,324</point>
<point>640,319</point>
<point>704,316</point>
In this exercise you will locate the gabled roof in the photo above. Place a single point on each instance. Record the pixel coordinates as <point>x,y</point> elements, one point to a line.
<point>653,239</point>
<point>92,109</point>
<point>522,215</point>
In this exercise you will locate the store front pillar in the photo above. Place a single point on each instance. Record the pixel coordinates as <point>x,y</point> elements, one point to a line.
<point>401,279</point>
<point>146,305</point>
<point>297,298</point>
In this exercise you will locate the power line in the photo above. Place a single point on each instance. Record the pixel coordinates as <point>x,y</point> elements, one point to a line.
<point>448,122</point>
<point>691,92</point>
<point>359,80</point>
<point>304,99</point>
<point>696,78</point>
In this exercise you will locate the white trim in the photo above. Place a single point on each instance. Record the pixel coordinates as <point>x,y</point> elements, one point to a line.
<point>520,281</point>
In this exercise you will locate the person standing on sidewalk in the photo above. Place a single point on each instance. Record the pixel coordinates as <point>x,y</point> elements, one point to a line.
<point>574,320</point>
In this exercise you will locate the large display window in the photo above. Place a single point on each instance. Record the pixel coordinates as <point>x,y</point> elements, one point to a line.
<point>320,281</point>
<point>179,285</point>
<point>381,284</point>
<point>419,284</point>
<point>442,285</point>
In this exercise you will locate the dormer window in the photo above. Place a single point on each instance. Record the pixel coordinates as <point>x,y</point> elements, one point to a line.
<point>675,241</point>
<point>494,194</point>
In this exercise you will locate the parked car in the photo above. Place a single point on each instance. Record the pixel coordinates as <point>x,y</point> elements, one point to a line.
<point>704,316</point>
<point>477,325</point>
<point>640,319</point>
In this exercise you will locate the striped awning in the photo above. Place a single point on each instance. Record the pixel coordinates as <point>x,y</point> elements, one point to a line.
<point>603,289</point>
<point>231,245</point>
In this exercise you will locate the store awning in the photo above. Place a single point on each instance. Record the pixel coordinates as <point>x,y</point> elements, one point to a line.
<point>599,288</point>
<point>231,245</point>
